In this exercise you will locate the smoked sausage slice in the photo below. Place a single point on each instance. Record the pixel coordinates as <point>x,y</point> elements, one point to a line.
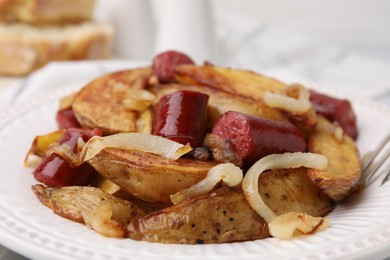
<point>181,117</point>
<point>66,119</point>
<point>165,63</point>
<point>334,109</point>
<point>255,137</point>
<point>55,171</point>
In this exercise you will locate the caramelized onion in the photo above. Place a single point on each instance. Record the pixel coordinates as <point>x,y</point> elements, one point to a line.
<point>129,141</point>
<point>295,224</point>
<point>331,127</point>
<point>136,141</point>
<point>230,174</point>
<point>271,162</point>
<point>294,98</point>
<point>297,106</point>
<point>100,220</point>
<point>31,160</point>
<point>138,99</point>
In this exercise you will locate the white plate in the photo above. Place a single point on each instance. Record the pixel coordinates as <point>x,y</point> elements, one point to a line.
<point>360,226</point>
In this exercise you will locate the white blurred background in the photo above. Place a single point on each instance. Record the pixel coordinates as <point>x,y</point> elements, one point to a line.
<point>337,43</point>
<point>359,25</point>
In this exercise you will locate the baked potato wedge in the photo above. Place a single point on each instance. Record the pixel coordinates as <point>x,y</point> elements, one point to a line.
<point>221,102</point>
<point>100,103</point>
<point>109,187</point>
<point>286,190</point>
<point>344,166</point>
<point>243,83</point>
<point>225,215</point>
<point>219,217</point>
<point>147,176</point>
<point>90,205</point>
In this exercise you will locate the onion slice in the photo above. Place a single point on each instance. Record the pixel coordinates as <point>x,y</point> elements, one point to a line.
<point>293,98</point>
<point>293,224</point>
<point>230,174</point>
<point>128,141</point>
<point>100,220</point>
<point>271,162</point>
<point>136,141</point>
<point>297,106</point>
<point>138,99</point>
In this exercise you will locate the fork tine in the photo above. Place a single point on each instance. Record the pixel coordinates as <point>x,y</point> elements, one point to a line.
<point>385,179</point>
<point>378,165</point>
<point>375,153</point>
<point>370,161</point>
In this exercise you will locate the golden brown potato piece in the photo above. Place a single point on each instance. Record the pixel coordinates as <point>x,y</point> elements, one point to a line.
<point>344,166</point>
<point>109,187</point>
<point>288,190</point>
<point>100,103</point>
<point>147,176</point>
<point>221,102</point>
<point>85,204</point>
<point>237,82</point>
<point>225,215</point>
<point>219,217</point>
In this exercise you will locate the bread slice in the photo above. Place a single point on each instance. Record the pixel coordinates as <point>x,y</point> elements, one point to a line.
<point>46,11</point>
<point>25,48</point>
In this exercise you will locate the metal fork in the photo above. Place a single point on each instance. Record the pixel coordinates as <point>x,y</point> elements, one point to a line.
<point>371,167</point>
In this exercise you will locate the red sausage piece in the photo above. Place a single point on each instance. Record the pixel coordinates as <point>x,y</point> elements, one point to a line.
<point>334,109</point>
<point>165,63</point>
<point>255,137</point>
<point>55,171</point>
<point>66,119</point>
<point>181,117</point>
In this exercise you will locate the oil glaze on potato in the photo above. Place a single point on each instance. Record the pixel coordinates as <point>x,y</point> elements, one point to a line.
<point>100,103</point>
<point>147,176</point>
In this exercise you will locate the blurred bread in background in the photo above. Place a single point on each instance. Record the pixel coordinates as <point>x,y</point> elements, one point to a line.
<point>24,48</point>
<point>46,11</point>
<point>35,32</point>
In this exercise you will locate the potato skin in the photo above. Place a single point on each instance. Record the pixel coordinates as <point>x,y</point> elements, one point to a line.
<point>344,166</point>
<point>286,190</point>
<point>100,103</point>
<point>225,215</point>
<point>244,83</point>
<point>75,202</point>
<point>219,217</point>
<point>147,176</point>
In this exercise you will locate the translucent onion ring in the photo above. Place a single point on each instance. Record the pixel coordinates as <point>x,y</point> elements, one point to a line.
<point>297,106</point>
<point>293,224</point>
<point>271,162</point>
<point>226,172</point>
<point>128,141</point>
